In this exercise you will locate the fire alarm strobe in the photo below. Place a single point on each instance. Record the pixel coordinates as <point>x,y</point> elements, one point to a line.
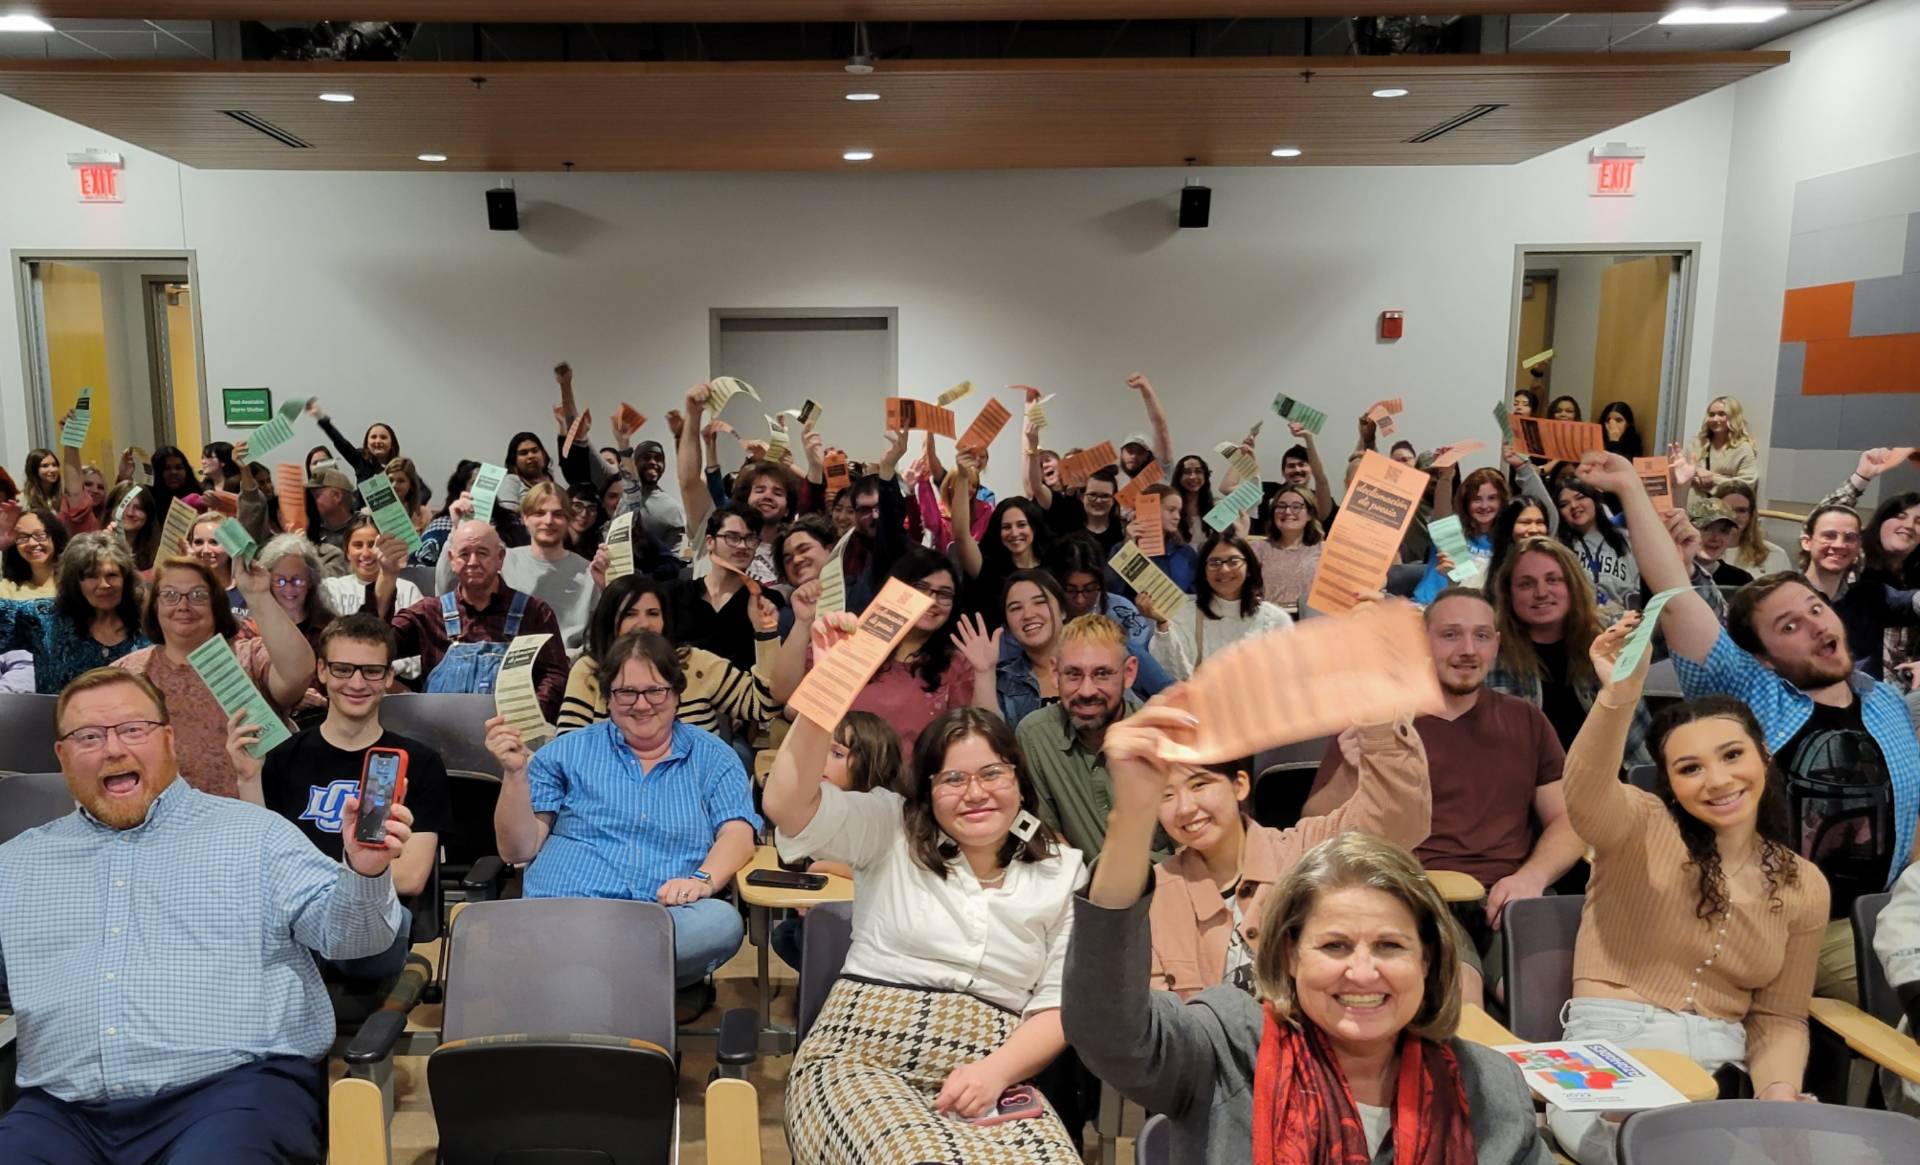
<point>1391,324</point>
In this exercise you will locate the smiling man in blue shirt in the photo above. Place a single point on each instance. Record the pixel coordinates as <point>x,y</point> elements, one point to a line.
<point>155,943</point>
<point>638,806</point>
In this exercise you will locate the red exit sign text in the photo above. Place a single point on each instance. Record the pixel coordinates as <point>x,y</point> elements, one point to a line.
<point>1613,177</point>
<point>99,183</point>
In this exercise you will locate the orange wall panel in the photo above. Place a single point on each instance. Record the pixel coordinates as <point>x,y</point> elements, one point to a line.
<point>1817,313</point>
<point>1862,364</point>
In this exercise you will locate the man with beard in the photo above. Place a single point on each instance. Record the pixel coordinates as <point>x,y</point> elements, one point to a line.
<point>1499,811</point>
<point>1844,742</point>
<point>660,513</point>
<point>1094,674</point>
<point>155,944</point>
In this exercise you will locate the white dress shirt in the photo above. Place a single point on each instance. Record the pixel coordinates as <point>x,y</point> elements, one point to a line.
<point>1006,945</point>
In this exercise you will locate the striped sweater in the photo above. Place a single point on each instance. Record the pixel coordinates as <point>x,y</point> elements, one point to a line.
<point>717,692</point>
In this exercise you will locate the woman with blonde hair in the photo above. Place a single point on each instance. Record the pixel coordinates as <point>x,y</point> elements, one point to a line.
<point>1347,1052</point>
<point>1753,553</point>
<point>1723,448</point>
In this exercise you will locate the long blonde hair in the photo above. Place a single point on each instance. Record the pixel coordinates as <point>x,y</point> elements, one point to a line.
<point>1736,427</point>
<point>1751,550</point>
<point>1582,621</point>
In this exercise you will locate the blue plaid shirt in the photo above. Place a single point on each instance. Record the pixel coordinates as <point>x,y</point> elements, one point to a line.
<point>150,958</point>
<point>621,832</point>
<point>1784,710</point>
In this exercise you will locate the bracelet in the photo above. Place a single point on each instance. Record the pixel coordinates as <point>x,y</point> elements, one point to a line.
<point>764,636</point>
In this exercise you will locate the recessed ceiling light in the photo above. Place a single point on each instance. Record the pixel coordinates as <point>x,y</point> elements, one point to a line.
<point>863,97</point>
<point>1389,92</point>
<point>433,157</point>
<point>1734,14</point>
<point>24,24</point>
<point>1287,152</point>
<point>337,98</point>
<point>858,155</point>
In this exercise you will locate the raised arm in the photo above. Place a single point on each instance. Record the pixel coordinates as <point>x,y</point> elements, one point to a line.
<point>349,452</point>
<point>1035,476</point>
<point>1690,626</point>
<point>693,486</point>
<point>1156,419</point>
<point>790,664</point>
<point>287,649</point>
<point>1603,810</point>
<point>1392,795</point>
<point>960,485</point>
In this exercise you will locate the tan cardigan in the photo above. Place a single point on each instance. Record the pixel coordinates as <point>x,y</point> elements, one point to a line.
<point>1640,931</point>
<point>1191,925</point>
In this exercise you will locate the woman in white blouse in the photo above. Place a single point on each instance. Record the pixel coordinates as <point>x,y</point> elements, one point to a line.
<point>1227,608</point>
<point>950,994</point>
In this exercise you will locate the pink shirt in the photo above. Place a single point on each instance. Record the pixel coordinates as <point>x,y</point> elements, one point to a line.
<point>897,695</point>
<point>199,726</point>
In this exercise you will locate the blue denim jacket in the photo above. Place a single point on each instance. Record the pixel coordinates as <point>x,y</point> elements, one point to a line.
<point>1020,689</point>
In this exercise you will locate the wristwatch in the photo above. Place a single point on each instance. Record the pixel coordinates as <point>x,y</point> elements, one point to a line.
<point>703,876</point>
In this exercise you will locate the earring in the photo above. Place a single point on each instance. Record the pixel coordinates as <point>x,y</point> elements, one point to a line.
<point>1025,826</point>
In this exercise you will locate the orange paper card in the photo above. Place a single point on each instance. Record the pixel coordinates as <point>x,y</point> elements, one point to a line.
<point>1656,475</point>
<point>579,426</point>
<point>1075,470</point>
<point>224,501</point>
<point>836,677</point>
<point>839,477</point>
<point>1451,454</point>
<point>291,486</point>
<point>1150,533</point>
<point>903,413</point>
<point>1129,497</point>
<point>1556,440</point>
<point>629,418</point>
<point>1317,679</point>
<point>753,587</point>
<point>1374,516</point>
<point>993,418</point>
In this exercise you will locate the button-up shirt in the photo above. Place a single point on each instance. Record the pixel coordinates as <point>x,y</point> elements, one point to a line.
<point>620,831</point>
<point>1070,781</point>
<point>147,959</point>
<point>1784,709</point>
<point>1006,945</point>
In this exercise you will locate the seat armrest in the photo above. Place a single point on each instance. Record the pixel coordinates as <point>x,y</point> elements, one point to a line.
<point>1866,1036</point>
<point>739,1041</point>
<point>484,879</point>
<point>375,1040</point>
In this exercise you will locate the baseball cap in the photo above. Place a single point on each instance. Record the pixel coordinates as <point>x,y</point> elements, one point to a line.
<point>1705,511</point>
<point>327,475</point>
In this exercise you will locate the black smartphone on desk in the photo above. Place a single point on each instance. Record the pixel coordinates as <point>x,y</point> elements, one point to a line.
<point>787,880</point>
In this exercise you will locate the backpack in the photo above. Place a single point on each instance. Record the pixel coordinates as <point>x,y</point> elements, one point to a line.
<point>471,667</point>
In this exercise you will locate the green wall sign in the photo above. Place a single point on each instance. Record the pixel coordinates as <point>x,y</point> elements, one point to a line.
<point>246,407</point>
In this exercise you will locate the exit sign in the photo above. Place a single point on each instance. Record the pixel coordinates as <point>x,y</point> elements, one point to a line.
<point>99,183</point>
<point>1613,177</point>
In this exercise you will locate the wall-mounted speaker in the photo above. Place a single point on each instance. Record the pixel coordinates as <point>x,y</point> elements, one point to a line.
<point>1196,202</point>
<point>503,211</point>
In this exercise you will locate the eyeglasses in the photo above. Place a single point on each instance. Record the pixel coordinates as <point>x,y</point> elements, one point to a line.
<point>1099,675</point>
<point>1085,592</point>
<point>866,511</point>
<point>133,734</point>
<point>197,597</point>
<point>1234,563</point>
<point>1290,508</point>
<point>35,536</point>
<point>294,583</point>
<point>376,672</point>
<point>624,698</point>
<point>943,596</point>
<point>991,778</point>
<point>733,539</point>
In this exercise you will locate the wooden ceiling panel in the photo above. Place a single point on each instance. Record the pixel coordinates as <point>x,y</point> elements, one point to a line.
<point>750,11</point>
<point>955,115</point>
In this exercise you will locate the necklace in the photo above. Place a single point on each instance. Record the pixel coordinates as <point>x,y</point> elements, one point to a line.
<point>994,882</point>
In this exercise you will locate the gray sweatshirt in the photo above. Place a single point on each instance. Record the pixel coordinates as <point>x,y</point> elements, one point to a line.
<point>1194,1061</point>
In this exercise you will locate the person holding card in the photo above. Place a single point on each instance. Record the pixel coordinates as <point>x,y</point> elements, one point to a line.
<point>1227,608</point>
<point>544,568</point>
<point>962,931</point>
<point>294,565</point>
<point>714,611</point>
<point>1479,499</point>
<point>805,546</point>
<point>172,478</point>
<point>1017,538</point>
<point>1346,1051</point>
<point>1300,468</point>
<point>185,608</point>
<point>1081,566</point>
<point>377,447</point>
<point>637,807</point>
<point>308,777</point>
<point>659,511</point>
<point>1726,980</point>
<point>1844,741</point>
<point>136,525</point>
<point>719,697</point>
<point>92,620</point>
<point>159,950</point>
<point>349,594</point>
<point>1136,453</point>
<point>1090,508</point>
<point>1289,553</point>
<point>404,476</point>
<point>203,543</point>
<point>1588,530</point>
<point>1177,559</point>
<point>1723,449</point>
<point>1193,481</point>
<point>767,488</point>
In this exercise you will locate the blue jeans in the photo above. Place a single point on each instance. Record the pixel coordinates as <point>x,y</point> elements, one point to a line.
<point>705,934</point>
<point>263,1113</point>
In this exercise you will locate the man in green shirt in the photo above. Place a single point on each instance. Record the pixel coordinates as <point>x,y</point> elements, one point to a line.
<point>1064,741</point>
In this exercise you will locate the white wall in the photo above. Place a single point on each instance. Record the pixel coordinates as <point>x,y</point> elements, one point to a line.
<point>385,295</point>
<point>1851,97</point>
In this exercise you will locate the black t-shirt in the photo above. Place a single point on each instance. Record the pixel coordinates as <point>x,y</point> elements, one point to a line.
<point>1725,574</point>
<point>1557,697</point>
<point>307,781</point>
<point>727,632</point>
<point>1842,802</point>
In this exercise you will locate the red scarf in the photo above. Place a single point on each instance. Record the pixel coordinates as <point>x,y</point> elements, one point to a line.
<point>1304,1115</point>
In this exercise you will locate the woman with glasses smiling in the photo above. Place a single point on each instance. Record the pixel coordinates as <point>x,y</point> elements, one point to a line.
<point>28,564</point>
<point>92,620</point>
<point>186,608</point>
<point>293,567</point>
<point>950,993</point>
<point>1226,609</point>
<point>1290,553</point>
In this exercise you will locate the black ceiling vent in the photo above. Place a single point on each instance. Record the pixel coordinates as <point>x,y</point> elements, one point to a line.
<point>1455,122</point>
<point>266,127</point>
